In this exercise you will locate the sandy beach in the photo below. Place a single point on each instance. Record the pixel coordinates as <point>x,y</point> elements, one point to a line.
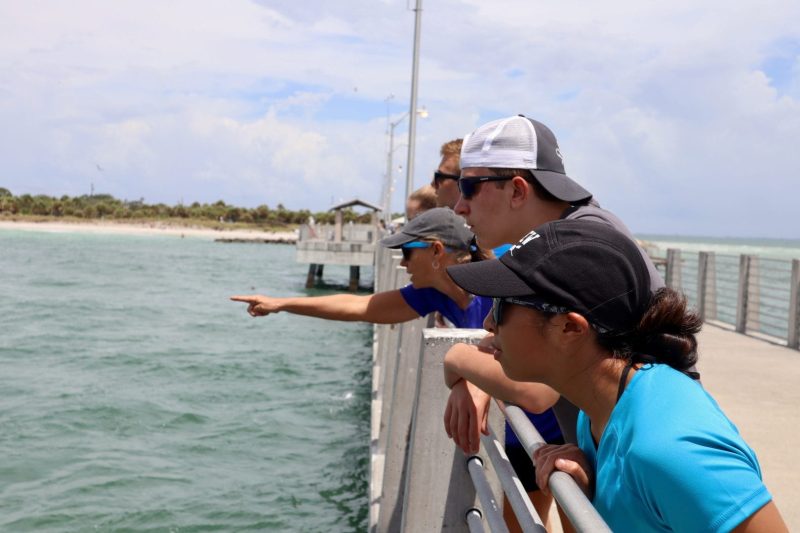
<point>149,229</point>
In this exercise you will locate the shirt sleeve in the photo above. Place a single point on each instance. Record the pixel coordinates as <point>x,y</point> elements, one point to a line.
<point>420,300</point>
<point>704,483</point>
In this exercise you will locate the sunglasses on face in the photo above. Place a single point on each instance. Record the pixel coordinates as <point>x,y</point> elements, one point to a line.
<point>499,305</point>
<point>469,186</point>
<point>409,247</point>
<point>439,177</point>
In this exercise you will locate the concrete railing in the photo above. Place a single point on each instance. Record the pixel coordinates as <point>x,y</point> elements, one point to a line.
<point>419,480</point>
<point>756,295</point>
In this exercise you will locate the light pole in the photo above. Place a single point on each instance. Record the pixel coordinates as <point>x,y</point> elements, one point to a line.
<point>412,127</point>
<point>387,184</point>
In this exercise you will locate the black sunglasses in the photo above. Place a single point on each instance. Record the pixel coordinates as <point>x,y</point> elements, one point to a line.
<point>439,177</point>
<point>499,304</point>
<point>409,247</point>
<point>469,186</point>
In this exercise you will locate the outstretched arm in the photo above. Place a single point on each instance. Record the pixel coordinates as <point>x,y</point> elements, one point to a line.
<point>387,307</point>
<point>464,361</point>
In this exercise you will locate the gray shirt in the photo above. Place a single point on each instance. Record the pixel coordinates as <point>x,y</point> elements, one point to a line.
<point>595,212</point>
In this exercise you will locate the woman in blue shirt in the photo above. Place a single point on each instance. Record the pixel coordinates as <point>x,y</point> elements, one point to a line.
<point>573,310</point>
<point>430,242</point>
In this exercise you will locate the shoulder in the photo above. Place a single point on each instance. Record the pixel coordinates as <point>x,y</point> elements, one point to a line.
<point>681,451</point>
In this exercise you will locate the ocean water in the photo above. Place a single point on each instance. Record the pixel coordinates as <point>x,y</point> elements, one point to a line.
<point>779,249</point>
<point>135,397</point>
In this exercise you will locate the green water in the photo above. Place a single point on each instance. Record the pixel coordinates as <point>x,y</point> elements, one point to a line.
<point>135,397</point>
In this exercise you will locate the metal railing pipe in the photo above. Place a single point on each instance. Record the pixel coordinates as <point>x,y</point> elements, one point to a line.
<point>528,518</point>
<point>474,520</point>
<point>571,499</point>
<point>494,513</point>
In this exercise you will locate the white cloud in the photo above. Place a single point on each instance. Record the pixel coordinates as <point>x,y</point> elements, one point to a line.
<point>678,115</point>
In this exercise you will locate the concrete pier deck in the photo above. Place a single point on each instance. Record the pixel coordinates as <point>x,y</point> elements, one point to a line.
<point>757,384</point>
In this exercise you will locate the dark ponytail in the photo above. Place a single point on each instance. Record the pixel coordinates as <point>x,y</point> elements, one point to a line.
<point>665,334</point>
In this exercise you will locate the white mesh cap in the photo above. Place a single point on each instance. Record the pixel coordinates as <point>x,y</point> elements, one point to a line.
<point>524,143</point>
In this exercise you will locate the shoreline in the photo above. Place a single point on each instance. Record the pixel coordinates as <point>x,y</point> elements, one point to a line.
<point>153,228</point>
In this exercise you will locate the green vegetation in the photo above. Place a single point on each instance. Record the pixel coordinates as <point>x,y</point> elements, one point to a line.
<point>106,207</point>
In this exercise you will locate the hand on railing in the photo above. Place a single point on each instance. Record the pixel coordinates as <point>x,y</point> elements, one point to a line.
<point>566,458</point>
<point>466,416</point>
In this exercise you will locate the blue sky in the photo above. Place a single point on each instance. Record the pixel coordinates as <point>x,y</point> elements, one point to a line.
<point>683,117</point>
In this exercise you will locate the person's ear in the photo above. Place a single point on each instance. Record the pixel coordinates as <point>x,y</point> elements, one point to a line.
<point>575,325</point>
<point>520,190</point>
<point>438,248</point>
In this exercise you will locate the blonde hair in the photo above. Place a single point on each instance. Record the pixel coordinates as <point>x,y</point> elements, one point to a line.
<point>452,148</point>
<point>426,196</point>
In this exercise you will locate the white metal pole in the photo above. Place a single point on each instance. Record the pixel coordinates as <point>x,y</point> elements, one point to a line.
<point>412,128</point>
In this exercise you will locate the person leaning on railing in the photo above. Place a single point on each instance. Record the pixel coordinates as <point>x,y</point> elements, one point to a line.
<point>573,309</point>
<point>431,242</point>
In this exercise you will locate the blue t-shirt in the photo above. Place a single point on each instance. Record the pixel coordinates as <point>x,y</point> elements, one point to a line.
<point>428,300</point>
<point>670,460</point>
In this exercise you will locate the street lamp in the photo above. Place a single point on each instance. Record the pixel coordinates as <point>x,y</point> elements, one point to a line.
<point>387,184</point>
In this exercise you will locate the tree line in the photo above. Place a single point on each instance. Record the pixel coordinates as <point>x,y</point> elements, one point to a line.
<point>105,206</point>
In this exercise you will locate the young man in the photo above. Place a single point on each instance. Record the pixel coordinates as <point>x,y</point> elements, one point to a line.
<point>512,180</point>
<point>445,179</point>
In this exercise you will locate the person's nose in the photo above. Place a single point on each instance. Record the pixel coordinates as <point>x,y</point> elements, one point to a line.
<point>462,206</point>
<point>488,323</point>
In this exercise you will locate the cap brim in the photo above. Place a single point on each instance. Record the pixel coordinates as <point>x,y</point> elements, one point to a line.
<point>397,240</point>
<point>489,278</point>
<point>561,186</point>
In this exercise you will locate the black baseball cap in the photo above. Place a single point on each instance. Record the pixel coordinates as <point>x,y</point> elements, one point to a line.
<point>585,266</point>
<point>439,222</point>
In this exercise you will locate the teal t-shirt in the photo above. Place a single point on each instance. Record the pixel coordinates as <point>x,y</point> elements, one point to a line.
<point>670,460</point>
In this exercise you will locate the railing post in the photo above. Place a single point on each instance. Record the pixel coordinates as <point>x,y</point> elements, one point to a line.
<point>706,285</point>
<point>793,340</point>
<point>741,300</point>
<point>673,269</point>
<point>702,275</point>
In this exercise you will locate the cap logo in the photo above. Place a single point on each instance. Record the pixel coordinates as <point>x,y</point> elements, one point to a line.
<point>558,153</point>
<point>525,240</point>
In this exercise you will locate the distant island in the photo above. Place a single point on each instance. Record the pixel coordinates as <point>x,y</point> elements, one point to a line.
<point>104,207</point>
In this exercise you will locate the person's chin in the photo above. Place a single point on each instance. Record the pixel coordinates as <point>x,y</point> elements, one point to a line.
<point>485,242</point>
<point>507,370</point>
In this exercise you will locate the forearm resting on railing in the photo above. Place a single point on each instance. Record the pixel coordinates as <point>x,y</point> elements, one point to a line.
<point>464,361</point>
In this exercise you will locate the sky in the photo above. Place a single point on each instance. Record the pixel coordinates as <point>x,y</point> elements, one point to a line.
<point>682,117</point>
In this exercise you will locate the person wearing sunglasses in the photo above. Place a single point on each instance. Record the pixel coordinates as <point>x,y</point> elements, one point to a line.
<point>431,242</point>
<point>512,180</point>
<point>445,179</point>
<point>574,310</point>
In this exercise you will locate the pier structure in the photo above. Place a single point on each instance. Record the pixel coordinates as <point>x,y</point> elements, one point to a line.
<point>339,244</point>
<point>420,481</point>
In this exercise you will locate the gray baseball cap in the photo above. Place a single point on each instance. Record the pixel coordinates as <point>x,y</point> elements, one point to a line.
<point>440,223</point>
<point>521,142</point>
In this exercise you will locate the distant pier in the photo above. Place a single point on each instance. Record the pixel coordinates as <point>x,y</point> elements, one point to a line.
<point>339,244</point>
